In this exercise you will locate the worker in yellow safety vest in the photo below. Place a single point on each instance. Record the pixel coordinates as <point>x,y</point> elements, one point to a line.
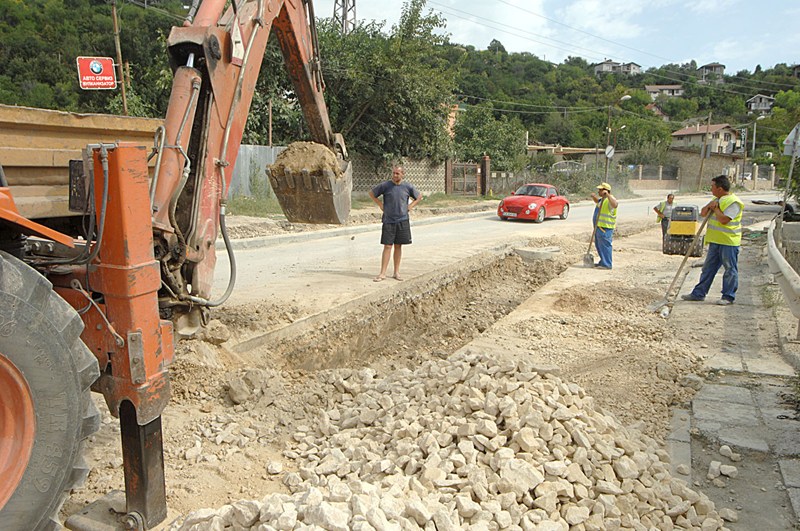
<point>605,220</point>
<point>723,236</point>
<point>664,211</point>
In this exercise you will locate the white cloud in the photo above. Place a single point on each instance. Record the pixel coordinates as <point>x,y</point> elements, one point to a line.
<point>610,20</point>
<point>710,6</point>
<point>728,50</point>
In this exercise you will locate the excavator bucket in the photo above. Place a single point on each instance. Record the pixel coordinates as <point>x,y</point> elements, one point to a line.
<point>312,184</point>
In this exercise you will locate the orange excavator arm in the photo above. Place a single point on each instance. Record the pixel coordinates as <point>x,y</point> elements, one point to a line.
<point>144,273</point>
<point>216,61</point>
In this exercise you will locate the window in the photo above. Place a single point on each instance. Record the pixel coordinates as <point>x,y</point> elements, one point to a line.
<point>727,137</point>
<point>715,135</point>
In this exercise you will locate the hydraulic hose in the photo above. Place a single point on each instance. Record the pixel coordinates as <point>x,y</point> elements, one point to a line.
<point>231,258</point>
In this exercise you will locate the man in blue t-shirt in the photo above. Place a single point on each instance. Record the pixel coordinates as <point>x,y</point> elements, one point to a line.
<point>396,230</point>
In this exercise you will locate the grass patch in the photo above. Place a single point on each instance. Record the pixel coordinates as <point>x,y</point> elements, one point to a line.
<point>771,296</point>
<point>258,206</point>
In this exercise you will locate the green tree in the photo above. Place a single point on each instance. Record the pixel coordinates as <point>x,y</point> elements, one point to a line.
<point>478,133</point>
<point>390,95</point>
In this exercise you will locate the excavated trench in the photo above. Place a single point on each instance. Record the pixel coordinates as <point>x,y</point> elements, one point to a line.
<point>431,316</point>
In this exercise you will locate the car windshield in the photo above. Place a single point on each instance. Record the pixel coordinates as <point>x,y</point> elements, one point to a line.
<point>532,189</point>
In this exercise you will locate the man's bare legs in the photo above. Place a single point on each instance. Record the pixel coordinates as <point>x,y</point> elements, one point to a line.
<point>387,253</point>
<point>398,254</point>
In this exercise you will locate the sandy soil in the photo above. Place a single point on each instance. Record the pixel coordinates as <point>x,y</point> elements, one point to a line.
<point>230,424</point>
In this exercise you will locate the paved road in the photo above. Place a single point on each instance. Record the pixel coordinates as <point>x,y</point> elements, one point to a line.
<point>326,267</point>
<point>740,407</point>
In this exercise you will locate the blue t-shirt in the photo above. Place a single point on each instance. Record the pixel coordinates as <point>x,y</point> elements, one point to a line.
<point>395,200</point>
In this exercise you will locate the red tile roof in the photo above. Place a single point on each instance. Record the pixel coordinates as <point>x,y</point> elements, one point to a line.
<point>701,129</point>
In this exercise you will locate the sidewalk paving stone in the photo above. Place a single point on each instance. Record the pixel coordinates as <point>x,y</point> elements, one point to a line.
<point>725,393</point>
<point>725,414</point>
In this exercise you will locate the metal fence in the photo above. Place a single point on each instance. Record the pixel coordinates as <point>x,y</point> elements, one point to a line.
<point>655,172</point>
<point>504,183</point>
<point>250,177</point>
<point>465,179</point>
<point>249,172</point>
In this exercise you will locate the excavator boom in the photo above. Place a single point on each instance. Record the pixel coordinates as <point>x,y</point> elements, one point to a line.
<point>140,270</point>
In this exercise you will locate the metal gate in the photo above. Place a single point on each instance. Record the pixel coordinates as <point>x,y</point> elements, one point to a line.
<point>465,179</point>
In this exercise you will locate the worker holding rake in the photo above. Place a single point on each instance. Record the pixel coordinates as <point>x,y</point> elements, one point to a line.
<point>724,236</point>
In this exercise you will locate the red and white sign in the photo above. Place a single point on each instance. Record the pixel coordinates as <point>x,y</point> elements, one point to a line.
<point>96,73</point>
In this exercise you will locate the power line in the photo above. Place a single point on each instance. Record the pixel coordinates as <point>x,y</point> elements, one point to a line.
<point>581,31</point>
<point>164,12</point>
<point>555,107</point>
<point>483,22</point>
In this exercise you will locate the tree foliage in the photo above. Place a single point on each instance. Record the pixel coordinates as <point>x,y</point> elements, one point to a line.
<point>391,94</point>
<point>40,40</point>
<point>479,133</point>
<point>390,91</point>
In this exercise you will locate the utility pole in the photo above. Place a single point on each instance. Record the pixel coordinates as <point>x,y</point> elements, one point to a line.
<point>608,135</point>
<point>755,128</point>
<point>779,221</point>
<point>703,152</point>
<point>120,75</point>
<point>270,122</point>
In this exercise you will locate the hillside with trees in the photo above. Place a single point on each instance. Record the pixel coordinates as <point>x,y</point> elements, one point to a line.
<point>390,90</point>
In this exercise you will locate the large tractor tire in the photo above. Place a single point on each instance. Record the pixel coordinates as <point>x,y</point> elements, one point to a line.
<point>46,410</point>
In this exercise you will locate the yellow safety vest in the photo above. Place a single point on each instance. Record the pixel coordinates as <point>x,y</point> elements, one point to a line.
<point>730,234</point>
<point>607,218</point>
<point>661,206</point>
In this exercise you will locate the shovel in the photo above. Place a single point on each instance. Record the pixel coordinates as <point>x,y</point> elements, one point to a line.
<point>588,258</point>
<point>663,306</point>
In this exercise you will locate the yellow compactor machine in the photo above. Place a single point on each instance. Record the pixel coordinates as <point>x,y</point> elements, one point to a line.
<point>683,225</point>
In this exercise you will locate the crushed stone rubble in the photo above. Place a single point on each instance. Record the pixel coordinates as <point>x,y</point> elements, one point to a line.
<point>466,443</point>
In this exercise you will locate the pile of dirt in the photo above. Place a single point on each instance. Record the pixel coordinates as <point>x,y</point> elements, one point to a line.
<point>315,158</point>
<point>603,333</point>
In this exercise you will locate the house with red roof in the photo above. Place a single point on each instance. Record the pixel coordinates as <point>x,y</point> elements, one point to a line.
<point>722,138</point>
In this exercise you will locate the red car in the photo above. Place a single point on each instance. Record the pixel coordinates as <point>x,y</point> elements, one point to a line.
<point>534,201</point>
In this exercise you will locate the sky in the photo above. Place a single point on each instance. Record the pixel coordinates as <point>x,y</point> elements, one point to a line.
<point>737,33</point>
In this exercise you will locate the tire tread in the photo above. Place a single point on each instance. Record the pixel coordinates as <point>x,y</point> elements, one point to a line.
<point>29,285</point>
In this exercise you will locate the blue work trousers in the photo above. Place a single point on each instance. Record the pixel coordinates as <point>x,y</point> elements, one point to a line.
<point>603,239</point>
<point>726,256</point>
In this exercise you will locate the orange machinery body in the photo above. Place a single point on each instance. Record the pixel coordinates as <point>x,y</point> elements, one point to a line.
<point>155,264</point>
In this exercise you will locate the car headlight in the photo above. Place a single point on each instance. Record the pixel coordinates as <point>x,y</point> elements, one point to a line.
<point>502,202</point>
<point>532,206</point>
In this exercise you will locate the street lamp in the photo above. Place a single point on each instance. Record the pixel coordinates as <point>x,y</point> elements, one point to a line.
<point>615,135</point>
<point>609,147</point>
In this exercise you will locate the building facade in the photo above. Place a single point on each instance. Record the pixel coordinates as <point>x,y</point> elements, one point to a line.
<point>721,138</point>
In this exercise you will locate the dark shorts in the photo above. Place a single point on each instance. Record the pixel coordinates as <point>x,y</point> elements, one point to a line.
<point>396,233</point>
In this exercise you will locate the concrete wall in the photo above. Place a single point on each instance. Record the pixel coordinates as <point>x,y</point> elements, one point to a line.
<point>688,169</point>
<point>720,164</point>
